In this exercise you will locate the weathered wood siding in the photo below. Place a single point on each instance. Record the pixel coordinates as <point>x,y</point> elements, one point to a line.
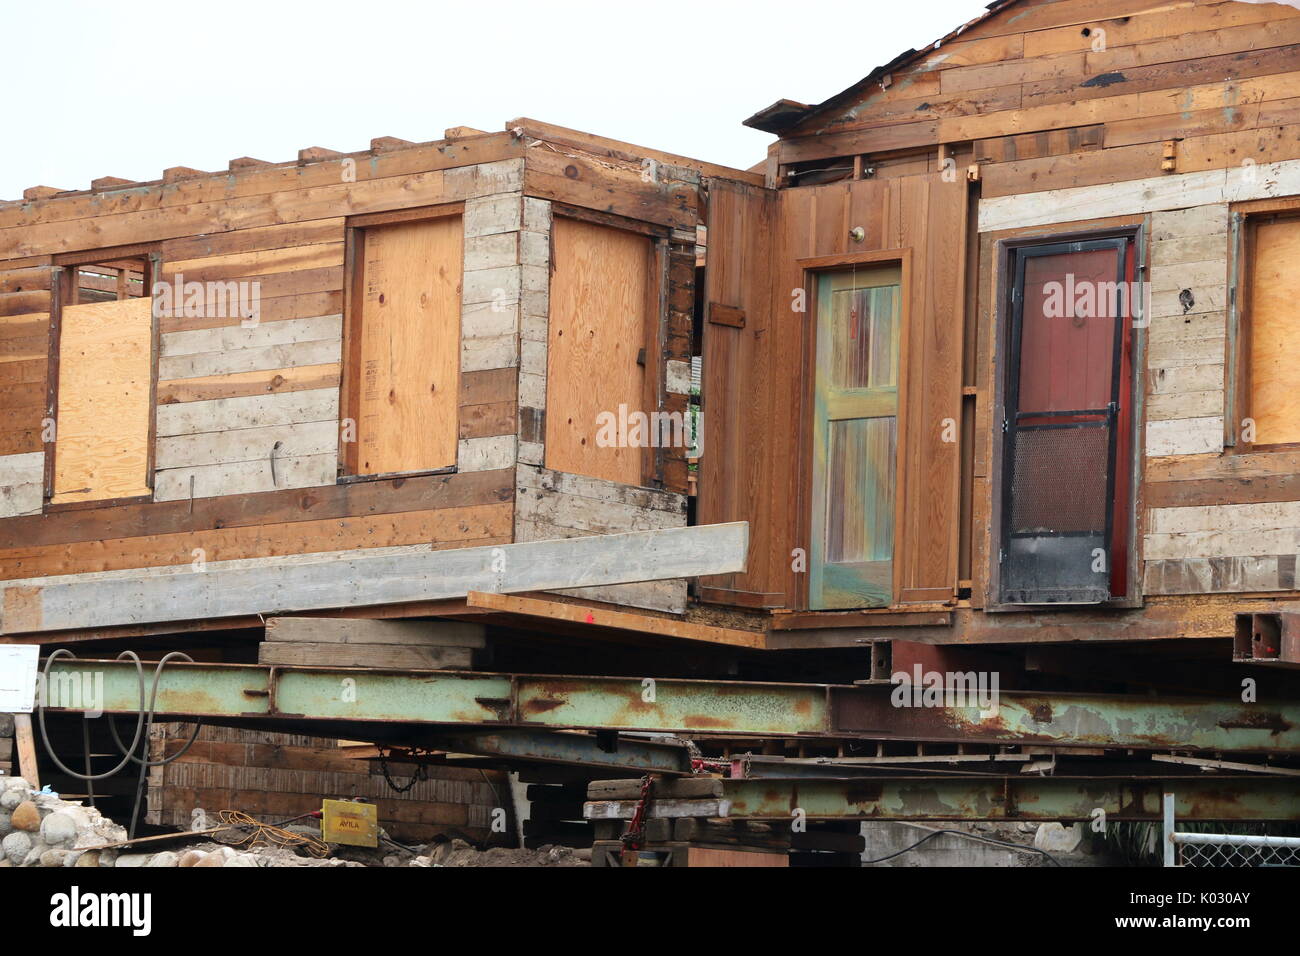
<point>756,409</point>
<point>252,410</point>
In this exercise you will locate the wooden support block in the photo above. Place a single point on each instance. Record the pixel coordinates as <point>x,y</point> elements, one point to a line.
<point>380,656</point>
<point>176,173</point>
<point>660,807</point>
<point>25,742</point>
<point>459,132</point>
<point>245,162</point>
<point>683,788</point>
<point>110,182</point>
<point>40,192</point>
<point>380,143</point>
<point>726,315</point>
<point>334,630</point>
<point>1169,161</point>
<point>731,833</point>
<point>618,620</point>
<point>314,154</point>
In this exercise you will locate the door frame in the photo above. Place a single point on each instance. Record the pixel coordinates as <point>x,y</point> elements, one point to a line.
<point>1001,318</point>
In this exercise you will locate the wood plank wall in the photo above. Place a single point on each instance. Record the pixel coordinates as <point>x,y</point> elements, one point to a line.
<point>1076,92</point>
<point>755,462</point>
<point>1217,519</point>
<point>277,776</point>
<point>248,412</point>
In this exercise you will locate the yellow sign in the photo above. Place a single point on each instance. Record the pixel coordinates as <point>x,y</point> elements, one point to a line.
<point>352,824</point>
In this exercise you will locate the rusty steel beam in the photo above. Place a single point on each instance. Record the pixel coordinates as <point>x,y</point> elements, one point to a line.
<point>713,708</point>
<point>967,798</point>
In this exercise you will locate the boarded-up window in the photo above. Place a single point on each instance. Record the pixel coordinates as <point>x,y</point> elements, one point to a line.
<point>598,325</point>
<point>1274,320</point>
<point>404,361</point>
<point>104,401</point>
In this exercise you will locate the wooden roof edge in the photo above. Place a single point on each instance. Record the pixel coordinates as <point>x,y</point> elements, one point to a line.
<point>564,136</point>
<point>173,174</point>
<point>793,122</point>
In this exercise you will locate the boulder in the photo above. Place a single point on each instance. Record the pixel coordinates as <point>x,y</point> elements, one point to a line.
<point>16,846</point>
<point>60,827</point>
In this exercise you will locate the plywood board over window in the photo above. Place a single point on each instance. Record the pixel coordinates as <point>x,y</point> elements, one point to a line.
<point>104,398</point>
<point>405,351</point>
<point>598,324</point>
<point>1274,399</point>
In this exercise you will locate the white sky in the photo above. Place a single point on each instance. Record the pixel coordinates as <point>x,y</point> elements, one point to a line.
<point>108,89</point>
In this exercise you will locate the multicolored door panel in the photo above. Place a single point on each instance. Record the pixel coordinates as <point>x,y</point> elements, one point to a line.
<point>855,438</point>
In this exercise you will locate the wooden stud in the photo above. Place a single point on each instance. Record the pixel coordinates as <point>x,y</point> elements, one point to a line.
<point>316,154</point>
<point>382,143</point>
<point>109,182</point>
<point>177,173</point>
<point>41,192</point>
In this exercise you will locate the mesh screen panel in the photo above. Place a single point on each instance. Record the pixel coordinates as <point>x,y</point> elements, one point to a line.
<point>1059,479</point>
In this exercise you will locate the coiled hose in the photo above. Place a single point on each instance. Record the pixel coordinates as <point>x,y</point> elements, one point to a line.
<point>144,719</point>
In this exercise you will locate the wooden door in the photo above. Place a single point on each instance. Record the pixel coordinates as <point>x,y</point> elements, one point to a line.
<point>855,438</point>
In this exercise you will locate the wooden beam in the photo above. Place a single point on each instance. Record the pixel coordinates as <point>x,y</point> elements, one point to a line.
<point>619,620</point>
<point>26,744</point>
<point>359,580</point>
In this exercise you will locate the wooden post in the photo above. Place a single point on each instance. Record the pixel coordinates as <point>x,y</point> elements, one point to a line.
<point>25,744</point>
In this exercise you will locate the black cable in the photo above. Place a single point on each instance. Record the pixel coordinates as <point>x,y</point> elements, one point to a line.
<point>972,836</point>
<point>143,726</point>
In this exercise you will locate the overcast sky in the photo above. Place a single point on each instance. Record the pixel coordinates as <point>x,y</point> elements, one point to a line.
<point>104,89</point>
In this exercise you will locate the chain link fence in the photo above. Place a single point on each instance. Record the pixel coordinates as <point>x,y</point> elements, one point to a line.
<point>1226,849</point>
<point>1232,849</point>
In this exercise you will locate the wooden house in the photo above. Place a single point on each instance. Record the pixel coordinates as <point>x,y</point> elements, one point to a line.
<point>909,391</point>
<point>402,350</point>
<point>995,354</point>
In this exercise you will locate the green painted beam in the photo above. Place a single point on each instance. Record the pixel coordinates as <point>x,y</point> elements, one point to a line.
<point>982,798</point>
<point>458,699</point>
<point>583,750</point>
<point>1013,798</point>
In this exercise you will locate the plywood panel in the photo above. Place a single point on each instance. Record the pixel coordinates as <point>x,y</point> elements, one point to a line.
<point>1274,332</point>
<point>408,377</point>
<point>597,327</point>
<point>102,447</point>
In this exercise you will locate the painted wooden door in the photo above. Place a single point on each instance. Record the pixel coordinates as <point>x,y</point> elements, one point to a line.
<point>855,438</point>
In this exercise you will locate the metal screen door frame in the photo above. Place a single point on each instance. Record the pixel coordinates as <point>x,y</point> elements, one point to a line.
<point>1017,551</point>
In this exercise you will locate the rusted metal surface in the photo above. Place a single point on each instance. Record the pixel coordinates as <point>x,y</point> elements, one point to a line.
<point>712,708</point>
<point>1097,720</point>
<point>586,750</point>
<point>1031,798</point>
<point>1268,638</point>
